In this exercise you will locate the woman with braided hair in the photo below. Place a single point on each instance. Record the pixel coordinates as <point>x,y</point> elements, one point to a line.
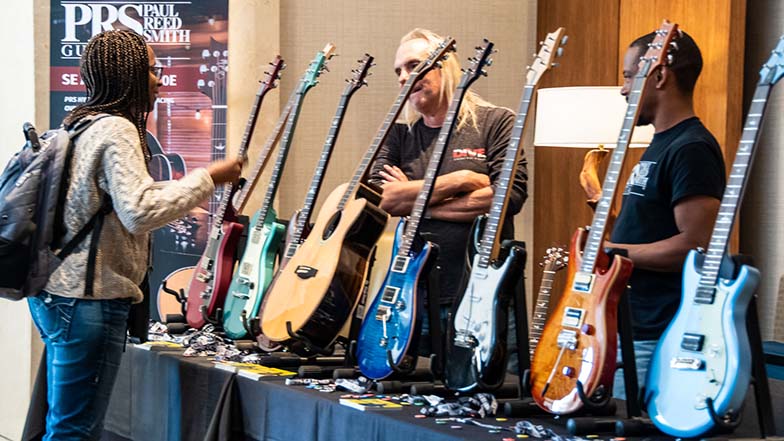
<point>83,324</point>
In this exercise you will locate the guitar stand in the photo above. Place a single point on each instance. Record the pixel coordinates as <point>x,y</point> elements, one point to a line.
<point>306,343</point>
<point>179,295</point>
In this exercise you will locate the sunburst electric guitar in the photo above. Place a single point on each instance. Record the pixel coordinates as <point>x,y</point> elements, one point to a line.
<point>701,368</point>
<point>555,260</point>
<point>257,265</point>
<point>575,358</point>
<point>389,334</point>
<point>320,286</point>
<point>210,280</point>
<point>476,353</point>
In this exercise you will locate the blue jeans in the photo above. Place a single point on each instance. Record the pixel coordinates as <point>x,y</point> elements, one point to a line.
<point>84,343</point>
<point>643,352</point>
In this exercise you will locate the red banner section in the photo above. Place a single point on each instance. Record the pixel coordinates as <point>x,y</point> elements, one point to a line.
<point>174,79</point>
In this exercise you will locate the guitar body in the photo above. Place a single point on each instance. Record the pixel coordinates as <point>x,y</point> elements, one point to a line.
<point>393,321</point>
<point>320,286</point>
<point>211,280</point>
<point>253,274</point>
<point>676,390</point>
<point>580,337</point>
<point>476,350</point>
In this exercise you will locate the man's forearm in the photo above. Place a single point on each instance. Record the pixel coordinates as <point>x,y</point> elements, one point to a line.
<point>665,255</point>
<point>399,196</point>
<point>464,208</point>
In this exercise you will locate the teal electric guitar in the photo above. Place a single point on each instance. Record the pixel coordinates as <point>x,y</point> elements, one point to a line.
<point>257,266</point>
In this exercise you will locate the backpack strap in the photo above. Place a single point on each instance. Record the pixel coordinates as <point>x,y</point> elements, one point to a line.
<point>95,224</point>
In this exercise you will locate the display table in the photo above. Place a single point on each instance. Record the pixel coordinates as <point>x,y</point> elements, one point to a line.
<point>161,395</point>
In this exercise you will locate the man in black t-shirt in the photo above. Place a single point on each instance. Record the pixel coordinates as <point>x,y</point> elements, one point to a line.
<point>672,197</point>
<point>471,163</point>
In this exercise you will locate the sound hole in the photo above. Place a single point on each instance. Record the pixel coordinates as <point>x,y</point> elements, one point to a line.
<point>332,225</point>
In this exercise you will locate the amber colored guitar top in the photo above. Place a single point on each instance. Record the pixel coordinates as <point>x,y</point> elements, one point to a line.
<point>590,319</point>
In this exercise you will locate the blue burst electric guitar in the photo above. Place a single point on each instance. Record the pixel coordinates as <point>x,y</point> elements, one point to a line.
<point>389,334</point>
<point>476,353</point>
<point>257,266</point>
<point>701,368</point>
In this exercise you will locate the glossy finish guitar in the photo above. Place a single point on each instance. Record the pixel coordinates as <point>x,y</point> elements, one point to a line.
<point>476,353</point>
<point>576,356</point>
<point>701,369</point>
<point>211,278</point>
<point>389,334</point>
<point>319,288</point>
<point>257,265</point>
<point>555,260</point>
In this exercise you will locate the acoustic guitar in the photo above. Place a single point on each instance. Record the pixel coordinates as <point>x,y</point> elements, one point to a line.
<point>319,288</point>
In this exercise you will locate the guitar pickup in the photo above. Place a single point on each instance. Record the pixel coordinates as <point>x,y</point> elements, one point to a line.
<point>292,248</point>
<point>687,363</point>
<point>245,269</point>
<point>255,236</point>
<point>692,342</point>
<point>573,317</point>
<point>705,295</point>
<point>583,282</point>
<point>400,264</point>
<point>383,313</point>
<point>204,277</point>
<point>568,339</point>
<point>389,295</point>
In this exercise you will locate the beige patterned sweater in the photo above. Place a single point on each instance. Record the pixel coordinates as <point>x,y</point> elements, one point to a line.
<point>108,158</point>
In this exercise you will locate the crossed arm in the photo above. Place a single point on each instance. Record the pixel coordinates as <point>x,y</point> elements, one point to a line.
<point>459,196</point>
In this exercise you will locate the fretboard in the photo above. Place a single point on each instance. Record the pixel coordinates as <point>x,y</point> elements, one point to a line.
<point>326,152</point>
<point>733,193</point>
<point>433,167</point>
<point>488,249</point>
<point>218,142</point>
<point>541,309</point>
<point>604,205</point>
<point>280,161</point>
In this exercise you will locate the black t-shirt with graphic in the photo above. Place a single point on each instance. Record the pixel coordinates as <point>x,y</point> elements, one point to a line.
<point>680,162</point>
<point>480,150</point>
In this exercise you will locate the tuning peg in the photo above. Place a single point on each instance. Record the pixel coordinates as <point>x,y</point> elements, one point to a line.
<point>564,39</point>
<point>205,53</point>
<point>216,54</point>
<point>200,83</point>
<point>462,70</point>
<point>226,53</point>
<point>556,64</point>
<point>674,45</point>
<point>559,52</point>
<point>202,69</point>
<point>670,59</point>
<point>283,66</point>
<point>483,72</point>
<point>489,62</point>
<point>364,83</point>
<point>211,83</point>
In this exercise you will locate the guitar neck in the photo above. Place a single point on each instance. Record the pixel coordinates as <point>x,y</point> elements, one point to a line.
<point>218,144</point>
<point>433,168</point>
<point>489,247</point>
<point>378,141</point>
<point>736,185</point>
<point>264,156</point>
<point>326,152</point>
<point>542,306</point>
<point>280,161</point>
<point>594,242</point>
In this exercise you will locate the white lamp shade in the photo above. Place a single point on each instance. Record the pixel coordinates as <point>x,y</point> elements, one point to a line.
<point>583,117</point>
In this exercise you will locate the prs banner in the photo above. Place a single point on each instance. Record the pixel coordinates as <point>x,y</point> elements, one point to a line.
<point>187,125</point>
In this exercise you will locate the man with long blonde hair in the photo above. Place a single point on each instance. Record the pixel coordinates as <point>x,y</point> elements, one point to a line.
<point>471,164</point>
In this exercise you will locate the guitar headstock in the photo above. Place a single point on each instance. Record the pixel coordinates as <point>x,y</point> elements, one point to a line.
<point>550,48</point>
<point>478,63</point>
<point>555,259</point>
<point>773,69</point>
<point>214,70</point>
<point>433,60</point>
<point>660,51</point>
<point>271,77</point>
<point>360,74</point>
<point>316,67</point>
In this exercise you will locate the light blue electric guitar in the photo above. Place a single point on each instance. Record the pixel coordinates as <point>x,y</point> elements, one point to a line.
<point>700,371</point>
<point>257,266</point>
<point>387,340</point>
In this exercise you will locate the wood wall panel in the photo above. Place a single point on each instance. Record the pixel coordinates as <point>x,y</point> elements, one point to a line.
<point>718,30</point>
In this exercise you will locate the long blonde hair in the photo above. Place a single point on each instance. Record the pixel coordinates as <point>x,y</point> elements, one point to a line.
<point>450,77</point>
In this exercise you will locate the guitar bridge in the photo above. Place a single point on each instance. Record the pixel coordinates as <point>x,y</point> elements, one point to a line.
<point>465,340</point>
<point>400,265</point>
<point>567,339</point>
<point>383,313</point>
<point>687,364</point>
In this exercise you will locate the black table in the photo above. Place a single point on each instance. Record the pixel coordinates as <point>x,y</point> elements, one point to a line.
<point>161,395</point>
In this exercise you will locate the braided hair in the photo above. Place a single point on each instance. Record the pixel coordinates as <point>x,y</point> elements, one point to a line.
<point>115,70</point>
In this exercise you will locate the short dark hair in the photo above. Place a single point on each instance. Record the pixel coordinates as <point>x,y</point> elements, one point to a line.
<point>686,60</point>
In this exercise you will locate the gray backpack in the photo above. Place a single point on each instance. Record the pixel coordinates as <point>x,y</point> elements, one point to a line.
<point>33,188</point>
